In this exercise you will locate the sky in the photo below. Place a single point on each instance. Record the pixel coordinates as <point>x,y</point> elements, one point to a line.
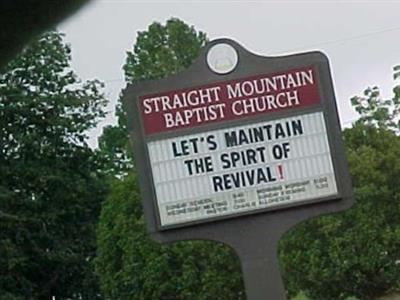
<point>361,38</point>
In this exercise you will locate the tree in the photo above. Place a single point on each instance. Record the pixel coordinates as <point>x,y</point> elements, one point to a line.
<point>375,111</point>
<point>355,253</point>
<point>160,51</point>
<point>130,265</point>
<point>50,184</point>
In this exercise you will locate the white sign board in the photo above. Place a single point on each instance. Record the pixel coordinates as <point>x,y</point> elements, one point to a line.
<point>243,168</point>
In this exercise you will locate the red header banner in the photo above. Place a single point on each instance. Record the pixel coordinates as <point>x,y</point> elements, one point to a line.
<point>230,100</point>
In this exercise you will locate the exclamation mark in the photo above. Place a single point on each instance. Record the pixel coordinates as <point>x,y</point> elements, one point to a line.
<point>280,171</point>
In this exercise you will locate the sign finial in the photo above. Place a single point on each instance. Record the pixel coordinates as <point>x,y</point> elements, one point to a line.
<point>222,58</point>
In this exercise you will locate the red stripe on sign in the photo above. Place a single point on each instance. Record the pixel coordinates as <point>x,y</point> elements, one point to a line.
<point>229,100</point>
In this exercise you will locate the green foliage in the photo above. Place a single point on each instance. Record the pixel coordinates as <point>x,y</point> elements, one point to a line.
<point>160,51</point>
<point>376,111</point>
<point>396,74</point>
<point>131,266</point>
<point>50,187</point>
<point>355,253</point>
<point>301,296</point>
<point>163,50</point>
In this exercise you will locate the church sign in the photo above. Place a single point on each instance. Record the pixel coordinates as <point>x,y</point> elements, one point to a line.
<point>238,138</point>
<point>250,165</point>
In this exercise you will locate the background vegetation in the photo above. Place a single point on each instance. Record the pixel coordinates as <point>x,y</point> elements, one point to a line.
<point>70,216</point>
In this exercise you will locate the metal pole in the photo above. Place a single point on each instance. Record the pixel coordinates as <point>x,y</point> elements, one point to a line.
<point>262,278</point>
<point>259,259</point>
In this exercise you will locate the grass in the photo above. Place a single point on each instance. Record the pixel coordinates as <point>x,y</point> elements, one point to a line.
<point>390,297</point>
<point>301,296</point>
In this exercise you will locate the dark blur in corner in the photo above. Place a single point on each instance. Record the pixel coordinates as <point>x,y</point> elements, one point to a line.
<point>22,20</point>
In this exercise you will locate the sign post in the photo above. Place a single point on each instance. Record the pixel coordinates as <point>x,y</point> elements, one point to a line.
<point>238,149</point>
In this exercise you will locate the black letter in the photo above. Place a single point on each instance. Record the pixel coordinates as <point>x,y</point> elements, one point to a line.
<point>217,182</point>
<point>231,139</point>
<point>212,144</point>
